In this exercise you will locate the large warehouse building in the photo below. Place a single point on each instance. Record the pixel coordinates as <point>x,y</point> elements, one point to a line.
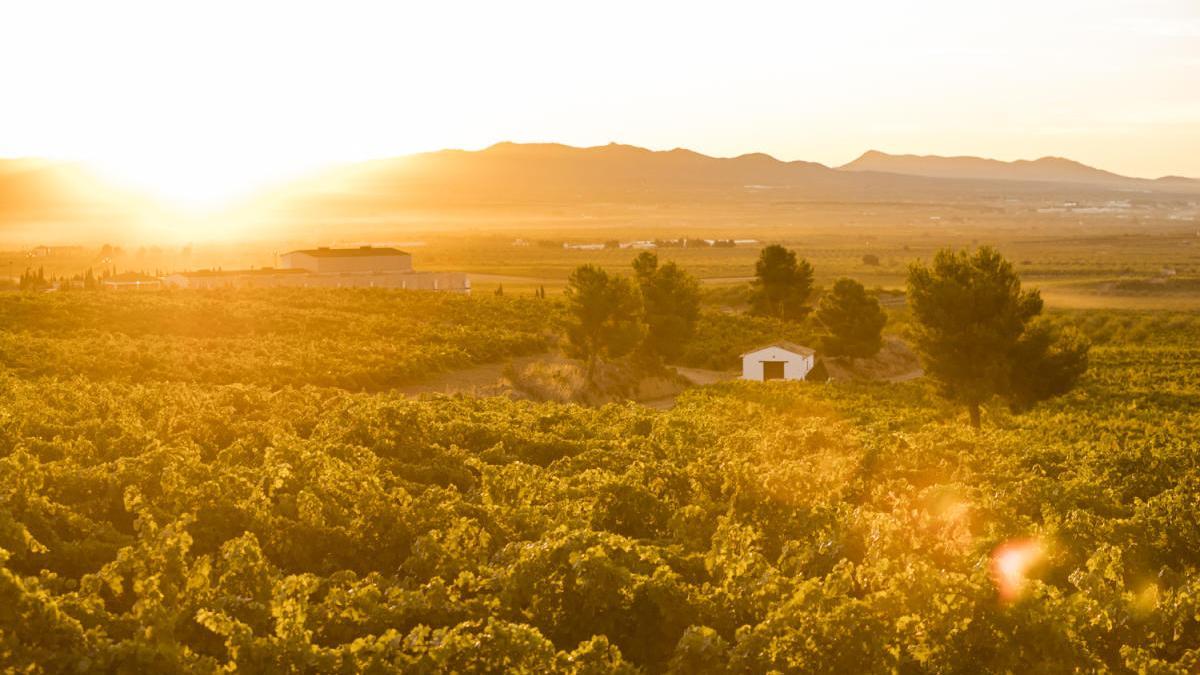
<point>362,267</point>
<point>361,260</point>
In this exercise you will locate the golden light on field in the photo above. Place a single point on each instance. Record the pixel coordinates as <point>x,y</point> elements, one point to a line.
<point>1011,564</point>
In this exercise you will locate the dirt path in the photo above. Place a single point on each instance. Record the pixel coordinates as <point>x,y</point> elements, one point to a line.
<point>905,377</point>
<point>482,380</point>
<point>699,377</point>
<point>485,379</point>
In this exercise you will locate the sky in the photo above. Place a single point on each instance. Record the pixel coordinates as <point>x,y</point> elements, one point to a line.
<point>200,101</point>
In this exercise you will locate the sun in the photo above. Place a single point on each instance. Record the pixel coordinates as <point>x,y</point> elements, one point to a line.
<point>196,183</point>
<point>193,197</point>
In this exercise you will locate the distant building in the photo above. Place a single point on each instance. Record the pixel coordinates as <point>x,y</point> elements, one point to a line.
<point>778,361</point>
<point>130,281</point>
<point>363,267</point>
<point>267,277</point>
<point>361,260</point>
<point>48,251</point>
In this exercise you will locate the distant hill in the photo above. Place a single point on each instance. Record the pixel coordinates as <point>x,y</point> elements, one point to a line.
<point>49,202</point>
<point>53,201</point>
<point>1178,182</point>
<point>530,176</point>
<point>43,189</point>
<point>542,173</point>
<point>1046,169</point>
<point>31,187</point>
<point>520,171</point>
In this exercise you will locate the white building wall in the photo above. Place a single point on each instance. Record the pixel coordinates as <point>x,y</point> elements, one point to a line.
<point>795,366</point>
<point>298,260</point>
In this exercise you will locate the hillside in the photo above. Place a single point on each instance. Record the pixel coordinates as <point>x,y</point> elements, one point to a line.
<point>32,188</point>
<point>532,177</point>
<point>531,173</point>
<point>35,193</point>
<point>1046,169</point>
<point>536,173</point>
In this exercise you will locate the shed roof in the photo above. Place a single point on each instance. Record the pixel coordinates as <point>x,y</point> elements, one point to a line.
<point>784,345</point>
<point>361,251</point>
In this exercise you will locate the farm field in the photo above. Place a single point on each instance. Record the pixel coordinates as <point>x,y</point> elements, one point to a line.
<point>245,506</point>
<point>352,339</point>
<point>582,339</point>
<point>1076,261</point>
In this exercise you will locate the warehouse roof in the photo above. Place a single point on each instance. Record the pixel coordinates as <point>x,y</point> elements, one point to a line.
<point>361,251</point>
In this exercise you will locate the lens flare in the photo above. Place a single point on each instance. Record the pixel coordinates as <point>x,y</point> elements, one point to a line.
<point>1011,562</point>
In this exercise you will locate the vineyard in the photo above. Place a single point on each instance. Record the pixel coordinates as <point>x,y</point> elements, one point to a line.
<point>354,339</point>
<point>197,483</point>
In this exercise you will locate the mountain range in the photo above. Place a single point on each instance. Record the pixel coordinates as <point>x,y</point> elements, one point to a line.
<point>1046,169</point>
<point>544,173</point>
<point>38,192</point>
<point>513,172</point>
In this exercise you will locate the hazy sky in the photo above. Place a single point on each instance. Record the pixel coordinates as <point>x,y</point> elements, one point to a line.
<point>202,98</point>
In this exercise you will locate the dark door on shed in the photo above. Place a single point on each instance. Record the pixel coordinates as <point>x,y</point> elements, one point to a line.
<point>772,370</point>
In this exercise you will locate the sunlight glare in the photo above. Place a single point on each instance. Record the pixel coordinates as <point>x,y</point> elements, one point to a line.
<point>1011,563</point>
<point>195,184</point>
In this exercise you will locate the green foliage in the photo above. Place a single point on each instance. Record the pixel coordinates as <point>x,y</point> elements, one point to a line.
<point>671,298</point>
<point>782,284</point>
<point>733,296</point>
<point>853,318</point>
<point>971,332</point>
<point>1046,363</point>
<point>356,339</point>
<point>604,316</point>
<point>183,525</point>
<point>33,280</point>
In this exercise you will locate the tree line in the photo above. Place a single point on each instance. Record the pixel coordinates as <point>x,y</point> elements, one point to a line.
<point>611,316</point>
<point>978,333</point>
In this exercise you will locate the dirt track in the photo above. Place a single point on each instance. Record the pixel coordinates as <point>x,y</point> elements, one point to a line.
<point>480,380</point>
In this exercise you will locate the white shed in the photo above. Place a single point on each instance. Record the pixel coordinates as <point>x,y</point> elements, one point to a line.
<point>778,361</point>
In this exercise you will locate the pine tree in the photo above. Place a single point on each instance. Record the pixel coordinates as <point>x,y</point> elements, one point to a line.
<point>974,333</point>
<point>854,320</point>
<point>782,284</point>
<point>671,298</point>
<point>604,316</point>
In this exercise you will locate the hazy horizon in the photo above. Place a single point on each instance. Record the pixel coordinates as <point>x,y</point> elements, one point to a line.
<point>304,168</point>
<point>211,102</point>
